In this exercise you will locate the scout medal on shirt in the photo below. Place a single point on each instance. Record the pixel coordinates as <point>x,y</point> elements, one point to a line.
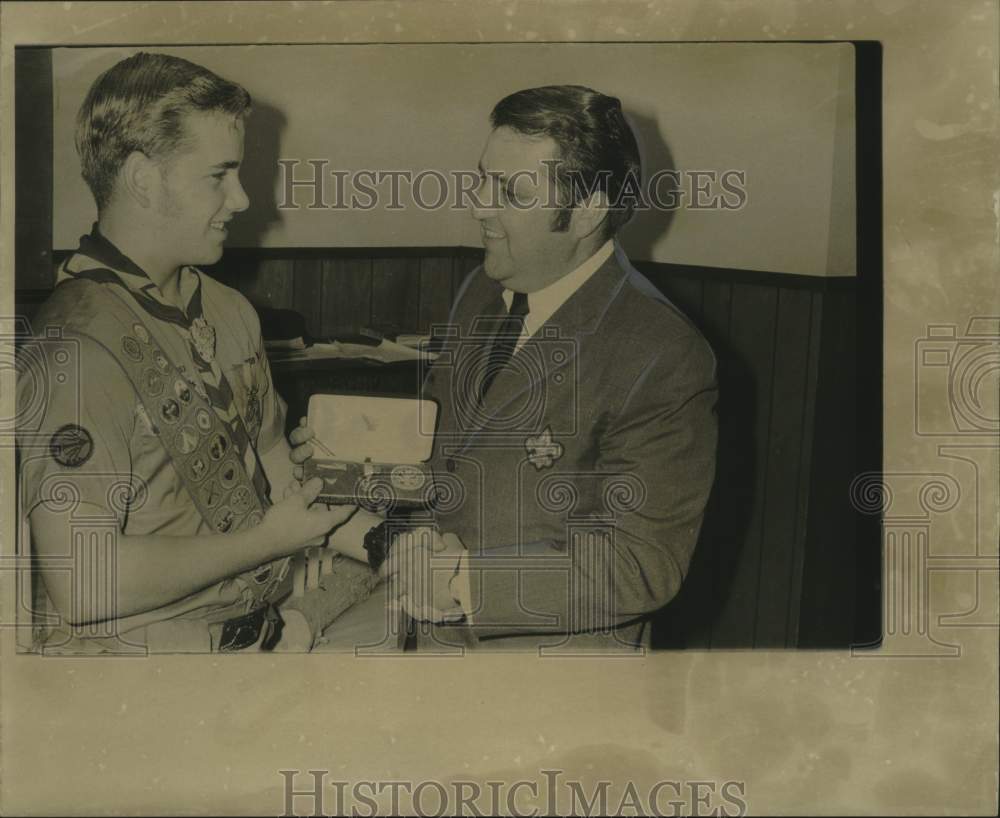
<point>225,483</point>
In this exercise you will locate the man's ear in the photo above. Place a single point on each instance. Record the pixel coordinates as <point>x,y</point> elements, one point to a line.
<point>589,215</point>
<point>139,178</point>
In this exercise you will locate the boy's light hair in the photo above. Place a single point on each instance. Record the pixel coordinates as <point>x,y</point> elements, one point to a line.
<point>139,104</point>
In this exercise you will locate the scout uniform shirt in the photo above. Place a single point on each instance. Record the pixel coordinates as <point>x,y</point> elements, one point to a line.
<point>94,434</point>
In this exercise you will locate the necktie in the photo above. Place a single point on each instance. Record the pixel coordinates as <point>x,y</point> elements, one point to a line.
<point>504,342</point>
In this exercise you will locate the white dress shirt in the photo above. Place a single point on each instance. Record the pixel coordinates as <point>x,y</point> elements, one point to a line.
<point>543,303</point>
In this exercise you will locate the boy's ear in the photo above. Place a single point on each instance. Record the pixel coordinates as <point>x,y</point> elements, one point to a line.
<point>139,178</point>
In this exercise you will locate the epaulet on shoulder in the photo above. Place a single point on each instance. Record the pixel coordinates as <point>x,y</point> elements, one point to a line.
<point>213,284</point>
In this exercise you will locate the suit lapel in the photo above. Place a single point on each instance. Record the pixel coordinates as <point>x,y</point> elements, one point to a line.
<point>553,347</point>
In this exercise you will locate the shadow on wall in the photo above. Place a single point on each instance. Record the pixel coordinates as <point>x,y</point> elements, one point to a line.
<point>259,173</point>
<point>689,620</point>
<point>697,617</point>
<point>648,226</point>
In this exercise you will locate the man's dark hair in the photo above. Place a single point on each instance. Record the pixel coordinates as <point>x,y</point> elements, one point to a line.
<point>139,104</point>
<point>597,149</point>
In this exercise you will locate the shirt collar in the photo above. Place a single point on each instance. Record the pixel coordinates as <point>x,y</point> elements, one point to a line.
<point>544,302</point>
<point>96,246</point>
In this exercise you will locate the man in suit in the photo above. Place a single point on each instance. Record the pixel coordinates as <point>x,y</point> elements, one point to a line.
<point>576,442</point>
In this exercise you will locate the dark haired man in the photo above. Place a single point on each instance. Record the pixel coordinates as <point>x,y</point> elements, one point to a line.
<point>578,436</point>
<point>172,443</point>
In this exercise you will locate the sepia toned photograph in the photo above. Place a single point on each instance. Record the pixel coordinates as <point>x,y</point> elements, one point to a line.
<point>499,407</point>
<point>559,360</point>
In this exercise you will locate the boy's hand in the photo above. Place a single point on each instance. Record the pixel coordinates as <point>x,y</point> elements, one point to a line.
<point>301,448</point>
<point>296,523</point>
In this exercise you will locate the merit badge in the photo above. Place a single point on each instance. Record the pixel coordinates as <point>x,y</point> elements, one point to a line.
<point>241,500</point>
<point>161,361</point>
<point>223,519</point>
<point>152,383</point>
<point>131,348</point>
<point>542,450</point>
<point>197,467</point>
<point>211,494</point>
<point>182,390</point>
<point>203,338</point>
<point>407,478</point>
<point>203,419</point>
<point>186,440</point>
<point>218,447</point>
<point>170,410</point>
<point>228,475</point>
<point>71,446</point>
<point>141,333</point>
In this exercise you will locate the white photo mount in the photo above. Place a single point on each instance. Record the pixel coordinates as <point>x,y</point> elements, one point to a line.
<point>372,451</point>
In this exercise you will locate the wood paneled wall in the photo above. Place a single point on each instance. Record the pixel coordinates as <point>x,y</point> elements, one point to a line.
<point>341,291</point>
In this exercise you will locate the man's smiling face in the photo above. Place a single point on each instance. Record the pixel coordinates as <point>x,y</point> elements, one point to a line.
<point>200,189</point>
<point>523,251</point>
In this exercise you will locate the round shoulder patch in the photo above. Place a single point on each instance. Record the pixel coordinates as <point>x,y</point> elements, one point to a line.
<point>71,446</point>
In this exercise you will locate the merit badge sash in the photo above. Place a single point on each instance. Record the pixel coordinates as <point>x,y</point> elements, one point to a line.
<point>205,450</point>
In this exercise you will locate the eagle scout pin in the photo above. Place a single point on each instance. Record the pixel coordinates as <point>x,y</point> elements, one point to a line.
<point>203,338</point>
<point>542,450</point>
<point>71,446</point>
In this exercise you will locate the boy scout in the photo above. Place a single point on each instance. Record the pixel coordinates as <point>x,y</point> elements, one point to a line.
<point>153,483</point>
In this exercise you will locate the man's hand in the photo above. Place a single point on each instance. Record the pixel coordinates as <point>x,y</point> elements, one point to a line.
<point>293,524</point>
<point>301,449</point>
<point>420,568</point>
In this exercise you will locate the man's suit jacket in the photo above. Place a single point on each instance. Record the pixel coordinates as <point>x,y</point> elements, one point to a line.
<point>579,485</point>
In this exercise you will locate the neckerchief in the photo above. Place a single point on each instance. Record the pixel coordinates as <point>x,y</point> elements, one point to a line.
<point>199,335</point>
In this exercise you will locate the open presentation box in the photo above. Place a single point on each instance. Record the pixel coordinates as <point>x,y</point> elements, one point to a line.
<point>372,451</point>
